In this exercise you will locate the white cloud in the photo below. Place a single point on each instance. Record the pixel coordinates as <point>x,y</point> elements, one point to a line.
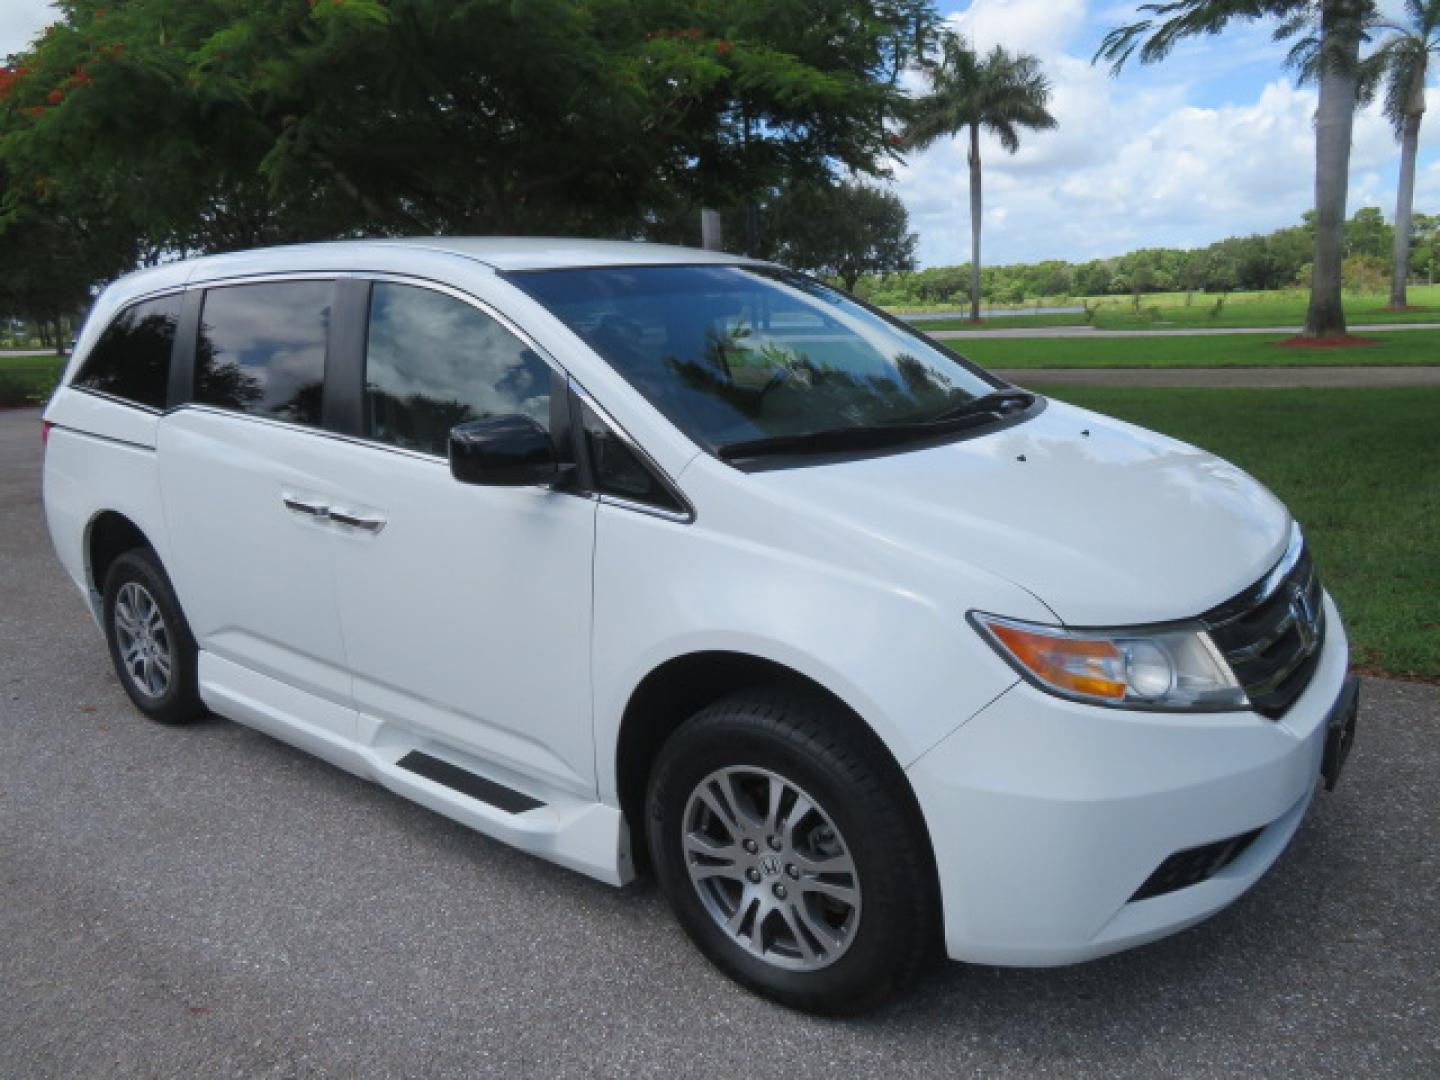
<point>1427,187</point>
<point>1046,27</point>
<point>1133,162</point>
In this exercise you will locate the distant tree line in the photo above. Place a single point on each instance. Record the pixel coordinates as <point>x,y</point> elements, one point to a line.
<point>1281,259</point>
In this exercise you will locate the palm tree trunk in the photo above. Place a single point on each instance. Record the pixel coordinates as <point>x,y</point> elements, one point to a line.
<point>975,209</point>
<point>1405,197</point>
<point>1341,29</point>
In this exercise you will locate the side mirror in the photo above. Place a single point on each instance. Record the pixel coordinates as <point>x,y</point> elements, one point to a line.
<point>503,451</point>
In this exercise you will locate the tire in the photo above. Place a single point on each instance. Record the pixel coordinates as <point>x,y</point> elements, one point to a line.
<point>839,951</point>
<point>150,642</point>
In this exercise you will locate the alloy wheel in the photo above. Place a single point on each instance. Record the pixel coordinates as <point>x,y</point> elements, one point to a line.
<point>771,868</point>
<point>145,646</point>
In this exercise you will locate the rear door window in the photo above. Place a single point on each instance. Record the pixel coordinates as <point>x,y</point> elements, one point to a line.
<point>262,349</point>
<point>131,360</point>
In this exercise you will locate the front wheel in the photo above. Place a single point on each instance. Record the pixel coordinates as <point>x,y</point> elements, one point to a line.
<point>792,855</point>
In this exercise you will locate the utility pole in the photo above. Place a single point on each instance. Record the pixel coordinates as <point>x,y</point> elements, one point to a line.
<point>710,238</point>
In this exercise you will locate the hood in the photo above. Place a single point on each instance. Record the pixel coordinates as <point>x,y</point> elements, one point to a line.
<point>1106,523</point>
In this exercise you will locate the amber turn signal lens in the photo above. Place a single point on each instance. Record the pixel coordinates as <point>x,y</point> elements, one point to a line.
<point>1095,668</point>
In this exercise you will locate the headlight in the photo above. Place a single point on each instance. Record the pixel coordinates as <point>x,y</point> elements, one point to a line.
<point>1171,669</point>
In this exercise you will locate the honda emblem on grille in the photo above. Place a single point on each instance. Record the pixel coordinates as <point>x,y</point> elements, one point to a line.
<point>1304,614</point>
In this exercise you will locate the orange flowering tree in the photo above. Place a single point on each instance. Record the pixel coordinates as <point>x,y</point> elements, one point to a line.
<point>202,125</point>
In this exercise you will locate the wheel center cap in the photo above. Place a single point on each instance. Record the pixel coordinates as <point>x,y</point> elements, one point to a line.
<point>770,866</point>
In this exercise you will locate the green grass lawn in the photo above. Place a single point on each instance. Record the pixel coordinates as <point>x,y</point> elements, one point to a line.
<point>1159,311</point>
<point>28,380</point>
<point>1278,311</point>
<point>1360,469</point>
<point>1228,350</point>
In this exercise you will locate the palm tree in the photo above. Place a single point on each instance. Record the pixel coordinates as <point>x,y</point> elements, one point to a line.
<point>1403,63</point>
<point>999,92</point>
<point>1330,33</point>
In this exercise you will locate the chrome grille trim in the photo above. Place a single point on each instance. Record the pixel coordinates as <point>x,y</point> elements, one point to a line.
<point>1271,634</point>
<point>1247,652</point>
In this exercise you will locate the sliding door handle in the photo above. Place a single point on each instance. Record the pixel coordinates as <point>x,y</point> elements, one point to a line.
<point>358,521</point>
<point>301,506</point>
<point>322,512</point>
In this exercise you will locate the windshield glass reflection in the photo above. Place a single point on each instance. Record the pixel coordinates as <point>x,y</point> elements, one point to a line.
<point>733,354</point>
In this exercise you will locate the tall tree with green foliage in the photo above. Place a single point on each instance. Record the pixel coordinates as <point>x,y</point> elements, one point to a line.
<point>55,249</point>
<point>1327,36</point>
<point>229,123</point>
<point>842,231</point>
<point>1403,63</point>
<point>998,92</point>
<point>1425,251</point>
<point>1367,233</point>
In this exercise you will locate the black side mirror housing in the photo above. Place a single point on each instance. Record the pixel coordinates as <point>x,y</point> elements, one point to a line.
<point>503,451</point>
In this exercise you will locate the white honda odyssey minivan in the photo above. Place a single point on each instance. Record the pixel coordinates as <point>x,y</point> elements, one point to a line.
<point>626,554</point>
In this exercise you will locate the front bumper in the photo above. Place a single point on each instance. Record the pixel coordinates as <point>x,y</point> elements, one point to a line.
<point>1046,816</point>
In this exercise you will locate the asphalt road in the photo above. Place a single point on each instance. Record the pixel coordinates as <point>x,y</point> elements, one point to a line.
<point>207,902</point>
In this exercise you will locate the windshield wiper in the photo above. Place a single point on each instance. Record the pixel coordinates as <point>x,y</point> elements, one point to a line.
<point>853,438</point>
<point>998,403</point>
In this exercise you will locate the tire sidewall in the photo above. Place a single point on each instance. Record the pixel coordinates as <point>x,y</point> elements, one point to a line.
<point>180,702</point>
<point>864,972</point>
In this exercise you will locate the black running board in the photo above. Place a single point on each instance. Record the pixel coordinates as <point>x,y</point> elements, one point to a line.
<point>467,783</point>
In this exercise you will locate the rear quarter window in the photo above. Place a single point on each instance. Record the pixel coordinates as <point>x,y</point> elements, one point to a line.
<point>131,361</point>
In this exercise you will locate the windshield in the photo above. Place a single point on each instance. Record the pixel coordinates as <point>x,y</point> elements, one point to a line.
<point>736,355</point>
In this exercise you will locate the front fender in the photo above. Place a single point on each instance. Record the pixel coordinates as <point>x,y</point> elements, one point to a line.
<point>898,658</point>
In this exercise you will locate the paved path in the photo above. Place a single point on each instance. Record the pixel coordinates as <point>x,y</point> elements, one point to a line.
<point>997,313</point>
<point>206,902</point>
<point>1190,331</point>
<point>1252,378</point>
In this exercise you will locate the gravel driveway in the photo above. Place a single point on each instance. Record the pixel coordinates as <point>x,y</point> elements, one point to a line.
<point>207,902</point>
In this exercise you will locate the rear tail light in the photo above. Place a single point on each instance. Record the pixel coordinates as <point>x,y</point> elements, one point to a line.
<point>45,426</point>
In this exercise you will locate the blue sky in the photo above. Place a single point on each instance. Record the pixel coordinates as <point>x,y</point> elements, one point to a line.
<point>1215,142</point>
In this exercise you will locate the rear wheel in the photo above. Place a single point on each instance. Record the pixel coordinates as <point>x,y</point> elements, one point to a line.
<point>792,855</point>
<point>150,643</point>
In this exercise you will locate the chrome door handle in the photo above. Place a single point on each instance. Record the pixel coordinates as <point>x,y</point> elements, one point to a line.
<point>300,506</point>
<point>356,521</point>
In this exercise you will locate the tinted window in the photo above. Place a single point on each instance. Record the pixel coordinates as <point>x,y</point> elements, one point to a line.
<point>736,353</point>
<point>262,349</point>
<point>619,470</point>
<point>433,362</point>
<point>132,358</point>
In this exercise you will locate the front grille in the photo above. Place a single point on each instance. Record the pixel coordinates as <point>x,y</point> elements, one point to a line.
<point>1272,632</point>
<point>1194,865</point>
